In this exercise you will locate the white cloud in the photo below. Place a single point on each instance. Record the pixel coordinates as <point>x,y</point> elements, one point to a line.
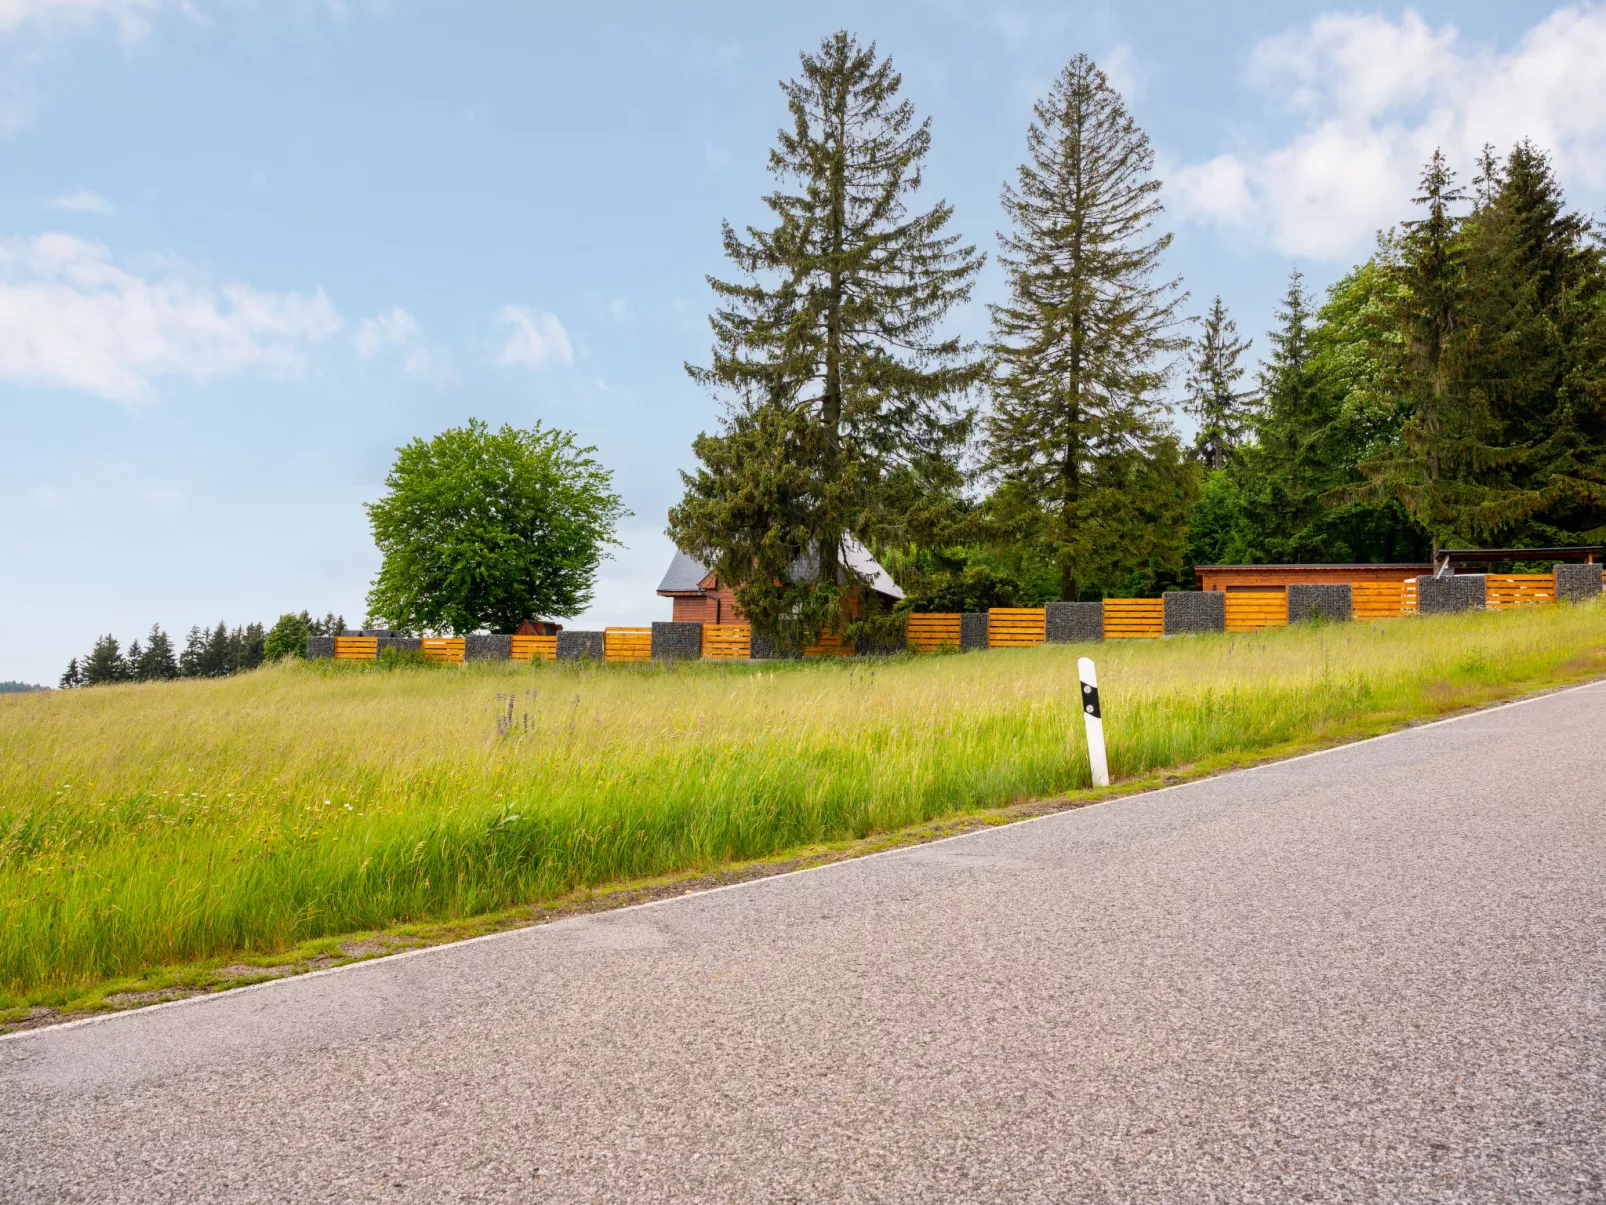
<point>83,201</point>
<point>1372,98</point>
<point>535,338</point>
<point>72,318</point>
<point>399,329</point>
<point>132,17</point>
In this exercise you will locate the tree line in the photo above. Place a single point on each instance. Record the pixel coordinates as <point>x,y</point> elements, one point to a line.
<point>207,652</point>
<point>1449,390</point>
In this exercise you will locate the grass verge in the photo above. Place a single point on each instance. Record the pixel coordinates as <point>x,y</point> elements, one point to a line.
<point>177,838</point>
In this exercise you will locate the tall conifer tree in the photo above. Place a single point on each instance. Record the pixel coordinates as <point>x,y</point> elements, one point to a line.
<point>828,349</point>
<point>1087,463</point>
<point>1224,412</point>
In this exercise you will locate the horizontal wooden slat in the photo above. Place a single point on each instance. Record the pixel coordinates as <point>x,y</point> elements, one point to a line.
<point>627,644</point>
<point>932,630</point>
<point>1507,590</point>
<point>830,645</point>
<point>727,640</point>
<point>1016,627</point>
<point>535,648</point>
<point>1134,618</point>
<point>443,648</point>
<point>356,648</point>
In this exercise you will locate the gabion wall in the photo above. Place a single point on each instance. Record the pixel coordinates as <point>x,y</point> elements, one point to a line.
<point>973,630</point>
<point>1329,600</point>
<point>677,641</point>
<point>1073,622</point>
<point>1442,595</point>
<point>320,646</point>
<point>487,648</point>
<point>1195,611</point>
<point>1577,582</point>
<point>578,646</point>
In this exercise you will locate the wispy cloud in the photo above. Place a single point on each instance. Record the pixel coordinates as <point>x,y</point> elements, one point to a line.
<point>70,317</point>
<point>132,17</point>
<point>535,338</point>
<point>82,201</point>
<point>400,330</point>
<point>1373,97</point>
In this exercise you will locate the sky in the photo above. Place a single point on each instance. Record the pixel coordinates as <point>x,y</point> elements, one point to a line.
<point>250,247</point>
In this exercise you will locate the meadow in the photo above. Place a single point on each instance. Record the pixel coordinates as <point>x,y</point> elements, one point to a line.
<point>148,825</point>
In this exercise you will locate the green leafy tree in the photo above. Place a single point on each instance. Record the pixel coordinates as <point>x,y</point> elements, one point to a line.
<point>483,529</point>
<point>1223,411</point>
<point>841,390</point>
<point>1087,464</point>
<point>288,638</point>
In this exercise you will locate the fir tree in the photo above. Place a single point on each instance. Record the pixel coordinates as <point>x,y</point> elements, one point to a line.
<point>1223,411</point>
<point>72,676</point>
<point>1449,472</point>
<point>192,661</point>
<point>105,663</point>
<point>157,664</point>
<point>827,349</point>
<point>1077,435</point>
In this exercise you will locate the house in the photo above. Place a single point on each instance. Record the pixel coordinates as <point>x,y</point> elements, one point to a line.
<point>700,597</point>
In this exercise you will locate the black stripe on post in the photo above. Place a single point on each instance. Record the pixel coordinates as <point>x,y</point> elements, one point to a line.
<point>1090,701</point>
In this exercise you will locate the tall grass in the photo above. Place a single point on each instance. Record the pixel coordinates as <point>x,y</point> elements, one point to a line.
<point>150,824</point>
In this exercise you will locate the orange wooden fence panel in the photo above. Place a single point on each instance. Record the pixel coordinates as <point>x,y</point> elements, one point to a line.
<point>1410,596</point>
<point>725,641</point>
<point>830,645</point>
<point>931,630</point>
<point>1381,600</point>
<point>444,648</point>
<point>356,648</point>
<point>535,648</point>
<point>1016,627</point>
<point>627,644</point>
<point>1251,610</point>
<point>1508,590</point>
<point>1133,618</point>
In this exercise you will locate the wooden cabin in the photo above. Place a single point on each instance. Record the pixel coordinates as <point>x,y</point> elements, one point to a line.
<point>700,597</point>
<point>1236,579</point>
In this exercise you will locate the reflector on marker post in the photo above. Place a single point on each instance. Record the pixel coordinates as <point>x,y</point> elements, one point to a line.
<point>1094,720</point>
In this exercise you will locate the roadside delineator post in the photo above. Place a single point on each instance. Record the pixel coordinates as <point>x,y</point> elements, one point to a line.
<point>1094,720</point>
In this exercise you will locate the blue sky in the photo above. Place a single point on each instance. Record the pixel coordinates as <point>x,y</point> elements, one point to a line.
<point>248,248</point>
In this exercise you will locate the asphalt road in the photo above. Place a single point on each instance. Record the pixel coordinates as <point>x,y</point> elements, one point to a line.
<point>1376,974</point>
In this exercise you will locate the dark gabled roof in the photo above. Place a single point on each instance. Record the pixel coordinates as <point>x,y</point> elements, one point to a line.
<point>684,576</point>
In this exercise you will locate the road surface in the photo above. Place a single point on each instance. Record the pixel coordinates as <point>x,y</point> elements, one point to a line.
<point>1375,974</point>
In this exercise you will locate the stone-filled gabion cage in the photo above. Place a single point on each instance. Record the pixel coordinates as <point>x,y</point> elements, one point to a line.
<point>1073,622</point>
<point>1578,582</point>
<point>1445,595</point>
<point>973,630</point>
<point>487,648</point>
<point>580,646</point>
<point>1191,611</point>
<point>1333,601</point>
<point>677,641</point>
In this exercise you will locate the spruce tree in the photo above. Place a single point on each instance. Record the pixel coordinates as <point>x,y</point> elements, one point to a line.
<point>105,663</point>
<point>158,663</point>
<point>1538,352</point>
<point>72,676</point>
<point>1450,472</point>
<point>827,350</point>
<point>1077,435</point>
<point>192,661</point>
<point>1223,411</point>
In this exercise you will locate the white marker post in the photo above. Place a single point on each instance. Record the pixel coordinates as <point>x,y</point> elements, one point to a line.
<point>1095,721</point>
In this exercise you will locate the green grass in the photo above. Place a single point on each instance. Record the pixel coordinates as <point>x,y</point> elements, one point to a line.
<point>143,826</point>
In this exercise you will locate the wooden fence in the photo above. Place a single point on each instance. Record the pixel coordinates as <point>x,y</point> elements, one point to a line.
<point>929,631</point>
<point>356,648</point>
<point>1509,590</point>
<point>627,644</point>
<point>1251,610</point>
<point>535,648</point>
<point>830,645</point>
<point>443,648</point>
<point>1016,627</point>
<point>1134,618</point>
<point>723,641</point>
<point>1381,600</point>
